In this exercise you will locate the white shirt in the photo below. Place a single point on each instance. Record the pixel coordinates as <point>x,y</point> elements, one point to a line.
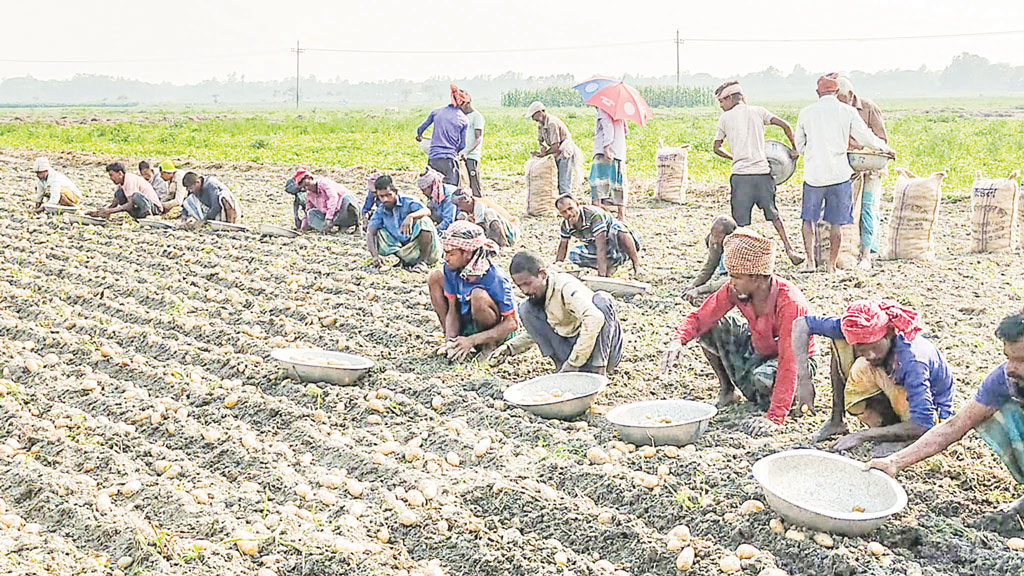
<point>822,136</point>
<point>608,132</point>
<point>743,128</point>
<point>49,190</point>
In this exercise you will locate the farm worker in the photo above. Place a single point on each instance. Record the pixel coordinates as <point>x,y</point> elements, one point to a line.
<point>370,203</point>
<point>747,355</point>
<point>154,179</point>
<point>175,191</point>
<point>995,413</point>
<point>134,195</point>
<point>498,224</point>
<point>608,186</point>
<point>751,182</point>
<point>298,201</point>
<point>474,144</point>
<point>328,204</point>
<point>823,132</point>
<point>883,371</point>
<point>572,325</point>
<point>53,187</point>
<point>555,141</point>
<point>208,199</point>
<point>471,296</point>
<point>448,136</point>
<point>713,275</point>
<point>604,241</point>
<point>401,226</point>
<point>869,181</point>
<point>439,198</point>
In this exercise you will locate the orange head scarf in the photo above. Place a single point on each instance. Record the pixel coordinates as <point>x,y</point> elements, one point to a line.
<point>867,321</point>
<point>459,97</point>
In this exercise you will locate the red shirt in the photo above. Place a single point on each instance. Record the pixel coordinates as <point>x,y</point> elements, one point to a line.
<point>766,332</point>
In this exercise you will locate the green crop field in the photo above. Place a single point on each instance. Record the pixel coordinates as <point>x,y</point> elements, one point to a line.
<point>959,138</point>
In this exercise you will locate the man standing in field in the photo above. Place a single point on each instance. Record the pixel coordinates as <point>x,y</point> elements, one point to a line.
<point>53,187</point>
<point>995,413</point>
<point>208,200</point>
<point>868,183</point>
<point>448,136</point>
<point>134,195</point>
<point>474,144</point>
<point>555,141</point>
<point>328,204</point>
<point>751,180</point>
<point>174,189</point>
<point>883,371</point>
<point>755,356</point>
<point>401,225</point>
<point>471,296</point>
<point>713,275</point>
<point>608,186</point>
<point>498,224</point>
<point>823,132</point>
<point>604,241</point>
<point>572,325</point>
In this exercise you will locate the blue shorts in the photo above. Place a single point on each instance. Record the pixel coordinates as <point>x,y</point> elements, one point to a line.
<point>838,201</point>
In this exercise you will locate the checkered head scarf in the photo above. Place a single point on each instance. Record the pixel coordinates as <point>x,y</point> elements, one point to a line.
<point>432,183</point>
<point>867,321</point>
<point>465,235</point>
<point>747,252</point>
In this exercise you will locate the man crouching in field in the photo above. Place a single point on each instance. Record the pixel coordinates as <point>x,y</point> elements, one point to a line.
<point>471,296</point>
<point>134,195</point>
<point>995,413</point>
<point>401,226</point>
<point>208,199</point>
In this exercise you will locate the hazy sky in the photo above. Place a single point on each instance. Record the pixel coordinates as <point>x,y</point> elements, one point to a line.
<point>190,40</point>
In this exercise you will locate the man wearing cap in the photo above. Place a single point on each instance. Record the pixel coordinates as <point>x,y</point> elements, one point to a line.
<point>175,191</point>
<point>498,224</point>
<point>608,185</point>
<point>572,325</point>
<point>53,187</point>
<point>473,151</point>
<point>471,296</point>
<point>896,381</point>
<point>995,413</point>
<point>751,182</point>
<point>133,195</point>
<point>868,183</point>
<point>208,200</point>
<point>401,226</point>
<point>328,204</point>
<point>448,137</point>
<point>755,356</point>
<point>604,241</point>
<point>555,141</point>
<point>823,132</point>
<point>439,198</point>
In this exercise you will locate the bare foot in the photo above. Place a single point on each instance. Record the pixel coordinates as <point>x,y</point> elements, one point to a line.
<point>808,267</point>
<point>795,258</point>
<point>829,430</point>
<point>727,398</point>
<point>864,264</point>
<point>638,275</point>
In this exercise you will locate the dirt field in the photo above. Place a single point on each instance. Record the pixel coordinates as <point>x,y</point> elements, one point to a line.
<point>123,348</point>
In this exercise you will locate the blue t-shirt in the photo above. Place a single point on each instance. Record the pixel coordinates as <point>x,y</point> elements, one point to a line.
<point>995,388</point>
<point>391,219</point>
<point>494,282</point>
<point>920,369</point>
<point>446,211</point>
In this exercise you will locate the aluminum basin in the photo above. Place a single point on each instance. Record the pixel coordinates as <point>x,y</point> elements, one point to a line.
<point>828,492</point>
<point>313,365</point>
<point>226,226</point>
<point>780,164</point>
<point>867,161</point>
<point>86,220</point>
<point>61,209</point>
<point>576,392</point>
<point>271,230</point>
<point>615,286</point>
<point>660,422</point>
<point>156,224</point>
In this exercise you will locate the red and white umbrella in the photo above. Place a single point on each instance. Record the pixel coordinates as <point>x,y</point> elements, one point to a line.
<point>621,102</point>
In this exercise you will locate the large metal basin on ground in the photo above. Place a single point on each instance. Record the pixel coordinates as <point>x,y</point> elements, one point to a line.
<point>157,224</point>
<point>61,209</point>
<point>227,226</point>
<point>660,422</point>
<point>561,396</point>
<point>828,492</point>
<point>314,365</point>
<point>271,230</point>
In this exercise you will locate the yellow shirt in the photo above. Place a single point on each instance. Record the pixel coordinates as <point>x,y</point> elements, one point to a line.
<point>570,307</point>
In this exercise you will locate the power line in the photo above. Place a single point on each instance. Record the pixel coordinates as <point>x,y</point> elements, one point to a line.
<point>141,60</point>
<point>488,51</point>
<point>852,39</point>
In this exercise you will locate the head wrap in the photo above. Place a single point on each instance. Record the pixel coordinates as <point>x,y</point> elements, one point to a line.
<point>42,163</point>
<point>867,321</point>
<point>166,166</point>
<point>300,175</point>
<point>371,180</point>
<point>829,83</point>
<point>432,183</point>
<point>730,90</point>
<point>747,252</point>
<point>465,235</point>
<point>459,97</point>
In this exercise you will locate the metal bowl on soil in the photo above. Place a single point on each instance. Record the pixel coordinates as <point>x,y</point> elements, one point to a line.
<point>86,220</point>
<point>314,365</point>
<point>615,286</point>
<point>61,209</point>
<point>561,396</point>
<point>271,230</point>
<point>781,164</point>
<point>156,224</point>
<point>660,422</point>
<point>828,492</point>
<point>227,226</point>
<point>867,161</point>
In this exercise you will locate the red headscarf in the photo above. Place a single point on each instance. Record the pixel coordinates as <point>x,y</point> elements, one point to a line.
<point>867,321</point>
<point>459,97</point>
<point>829,82</point>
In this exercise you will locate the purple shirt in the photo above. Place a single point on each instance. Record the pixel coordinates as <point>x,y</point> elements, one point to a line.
<point>449,134</point>
<point>995,389</point>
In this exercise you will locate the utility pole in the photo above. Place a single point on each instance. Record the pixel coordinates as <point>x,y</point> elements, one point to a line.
<point>297,51</point>
<point>678,42</point>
